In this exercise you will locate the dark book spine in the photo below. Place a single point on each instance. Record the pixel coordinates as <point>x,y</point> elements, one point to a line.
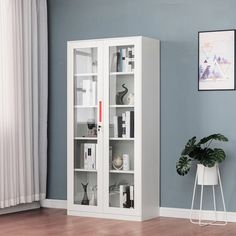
<point>120,126</point>
<point>132,124</point>
<point>118,62</point>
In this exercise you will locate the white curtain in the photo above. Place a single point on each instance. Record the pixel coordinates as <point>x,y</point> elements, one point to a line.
<point>23,101</point>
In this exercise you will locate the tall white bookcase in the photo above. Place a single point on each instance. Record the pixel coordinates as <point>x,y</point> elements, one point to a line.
<point>113,138</point>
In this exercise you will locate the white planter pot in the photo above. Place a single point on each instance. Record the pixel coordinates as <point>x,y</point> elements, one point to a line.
<point>207,175</point>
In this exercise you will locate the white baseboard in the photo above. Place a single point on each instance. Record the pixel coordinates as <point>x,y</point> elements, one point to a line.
<point>54,203</point>
<point>164,211</point>
<point>21,207</point>
<point>206,215</point>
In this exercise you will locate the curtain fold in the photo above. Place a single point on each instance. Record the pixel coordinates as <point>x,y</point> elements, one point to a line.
<point>23,101</point>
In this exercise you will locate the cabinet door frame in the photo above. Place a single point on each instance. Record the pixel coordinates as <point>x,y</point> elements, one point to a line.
<point>71,46</point>
<point>138,127</point>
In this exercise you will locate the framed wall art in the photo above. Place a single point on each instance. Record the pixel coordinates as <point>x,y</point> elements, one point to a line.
<point>216,60</point>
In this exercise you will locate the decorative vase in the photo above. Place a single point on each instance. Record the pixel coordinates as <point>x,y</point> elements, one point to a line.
<point>117,163</point>
<point>85,200</point>
<point>120,95</point>
<point>93,200</point>
<point>207,175</point>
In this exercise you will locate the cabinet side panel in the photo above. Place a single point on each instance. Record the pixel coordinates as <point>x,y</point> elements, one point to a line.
<point>150,127</point>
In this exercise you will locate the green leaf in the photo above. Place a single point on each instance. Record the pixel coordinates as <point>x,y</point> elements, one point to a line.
<point>183,165</point>
<point>219,155</point>
<point>190,146</point>
<point>219,137</point>
<point>208,158</point>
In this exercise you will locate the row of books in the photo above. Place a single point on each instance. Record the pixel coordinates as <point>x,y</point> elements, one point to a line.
<point>126,196</point>
<point>124,125</point>
<point>89,93</point>
<point>123,60</point>
<point>88,154</point>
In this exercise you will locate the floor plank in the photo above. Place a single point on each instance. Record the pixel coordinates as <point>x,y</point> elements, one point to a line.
<point>42,222</point>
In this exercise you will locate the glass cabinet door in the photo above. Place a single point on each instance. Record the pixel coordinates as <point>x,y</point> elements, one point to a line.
<point>121,126</point>
<point>85,126</point>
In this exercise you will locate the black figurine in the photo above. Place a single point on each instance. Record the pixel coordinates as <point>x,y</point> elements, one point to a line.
<point>85,200</point>
<point>120,95</point>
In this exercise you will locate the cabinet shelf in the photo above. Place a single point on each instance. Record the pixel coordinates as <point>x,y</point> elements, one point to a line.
<point>122,171</point>
<point>122,73</point>
<point>85,138</point>
<point>122,139</point>
<point>85,74</point>
<point>121,106</point>
<point>84,170</point>
<point>82,106</point>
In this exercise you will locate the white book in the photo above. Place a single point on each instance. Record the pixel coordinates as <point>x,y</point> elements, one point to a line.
<point>86,92</point>
<point>89,156</point>
<point>127,124</point>
<point>131,189</point>
<point>124,59</point>
<point>94,93</point>
<point>122,195</point>
<point>96,156</point>
<point>86,156</point>
<point>115,121</point>
<point>124,125</point>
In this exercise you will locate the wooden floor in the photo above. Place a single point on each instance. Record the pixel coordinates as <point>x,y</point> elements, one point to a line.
<point>43,222</point>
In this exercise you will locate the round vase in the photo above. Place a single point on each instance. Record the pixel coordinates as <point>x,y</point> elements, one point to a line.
<point>207,175</point>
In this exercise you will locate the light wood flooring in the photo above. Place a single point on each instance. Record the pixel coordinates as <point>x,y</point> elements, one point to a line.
<point>52,222</point>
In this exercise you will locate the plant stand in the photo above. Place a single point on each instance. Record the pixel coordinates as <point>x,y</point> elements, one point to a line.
<point>199,221</point>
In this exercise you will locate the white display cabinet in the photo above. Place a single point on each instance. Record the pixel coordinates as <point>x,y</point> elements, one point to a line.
<point>113,128</point>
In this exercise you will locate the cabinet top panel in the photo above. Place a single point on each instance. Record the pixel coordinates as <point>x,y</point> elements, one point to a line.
<point>111,39</point>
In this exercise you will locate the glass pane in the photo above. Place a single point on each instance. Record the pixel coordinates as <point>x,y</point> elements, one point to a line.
<point>85,60</point>
<point>121,127</point>
<point>85,126</point>
<point>85,93</point>
<point>85,188</point>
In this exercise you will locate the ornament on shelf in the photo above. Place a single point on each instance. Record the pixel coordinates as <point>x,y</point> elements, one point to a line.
<point>85,200</point>
<point>120,95</point>
<point>117,162</point>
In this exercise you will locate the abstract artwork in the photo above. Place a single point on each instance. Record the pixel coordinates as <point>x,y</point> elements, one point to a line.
<point>216,66</point>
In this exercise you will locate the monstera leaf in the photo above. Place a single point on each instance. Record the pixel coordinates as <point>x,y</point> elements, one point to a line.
<point>219,155</point>
<point>190,146</point>
<point>183,165</point>
<point>208,158</point>
<point>219,137</point>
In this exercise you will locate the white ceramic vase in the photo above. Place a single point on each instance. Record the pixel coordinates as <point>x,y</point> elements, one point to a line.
<point>207,175</point>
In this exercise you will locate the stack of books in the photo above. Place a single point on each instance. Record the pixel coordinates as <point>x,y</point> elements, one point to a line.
<point>126,196</point>
<point>124,125</point>
<point>88,154</point>
<point>89,90</point>
<point>123,60</point>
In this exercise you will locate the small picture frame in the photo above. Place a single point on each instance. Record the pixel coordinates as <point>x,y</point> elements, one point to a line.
<point>216,60</point>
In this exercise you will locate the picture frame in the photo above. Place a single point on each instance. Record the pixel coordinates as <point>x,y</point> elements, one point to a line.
<point>216,60</point>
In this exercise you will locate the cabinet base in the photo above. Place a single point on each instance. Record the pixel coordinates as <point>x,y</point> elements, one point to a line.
<point>108,216</point>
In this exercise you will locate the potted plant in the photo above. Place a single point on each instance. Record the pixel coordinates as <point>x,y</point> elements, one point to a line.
<point>206,157</point>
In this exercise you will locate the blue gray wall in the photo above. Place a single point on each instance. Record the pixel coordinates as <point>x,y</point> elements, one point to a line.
<point>185,112</point>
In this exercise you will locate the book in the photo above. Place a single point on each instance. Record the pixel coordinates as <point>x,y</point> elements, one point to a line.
<point>131,124</point>
<point>81,156</point>
<point>115,122</point>
<point>118,60</point>
<point>119,122</point>
<point>123,125</point>
<point>94,93</point>
<point>123,196</point>
<point>131,196</point>
<point>127,123</point>
<point>89,156</point>
<point>123,60</point>
<point>86,92</point>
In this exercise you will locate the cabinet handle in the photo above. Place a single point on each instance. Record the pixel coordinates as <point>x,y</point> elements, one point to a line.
<point>100,111</point>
